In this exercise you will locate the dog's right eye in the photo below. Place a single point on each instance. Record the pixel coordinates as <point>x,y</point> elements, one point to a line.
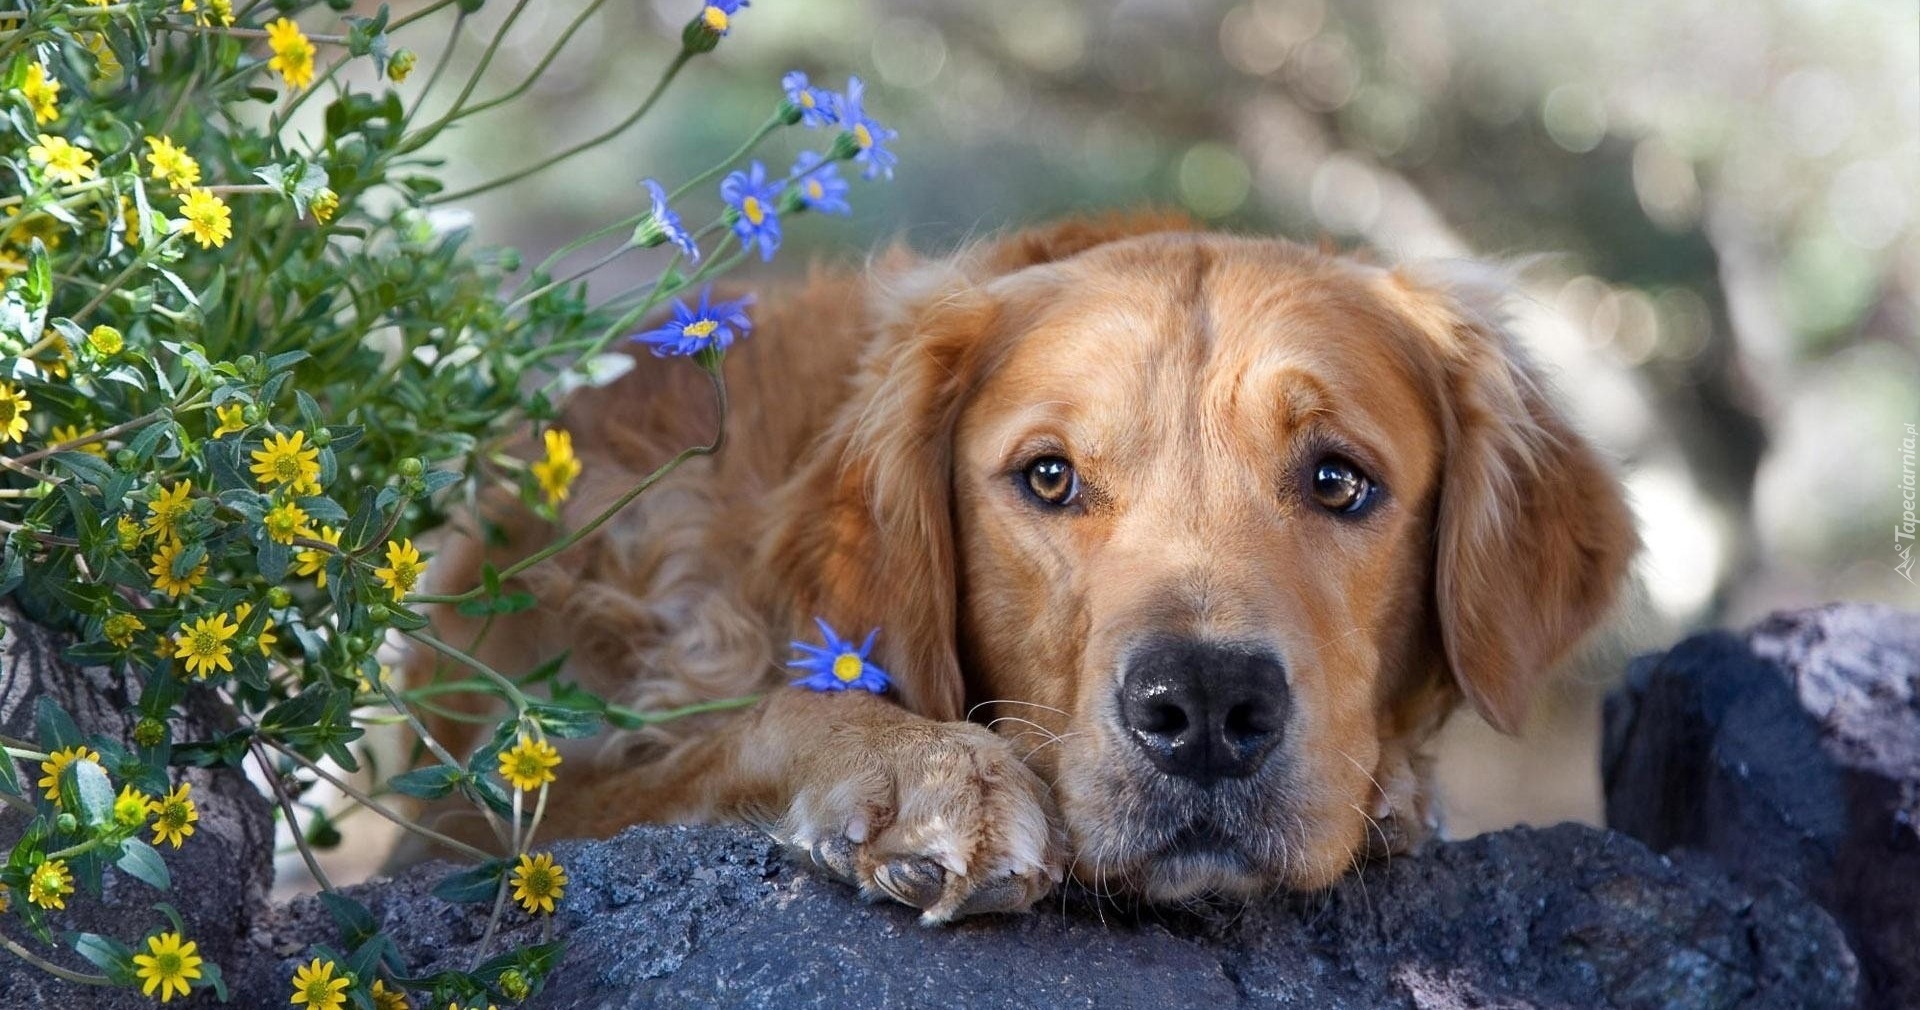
<point>1053,481</point>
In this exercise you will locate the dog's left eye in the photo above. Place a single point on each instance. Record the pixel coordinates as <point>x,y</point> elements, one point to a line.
<point>1053,480</point>
<point>1341,487</point>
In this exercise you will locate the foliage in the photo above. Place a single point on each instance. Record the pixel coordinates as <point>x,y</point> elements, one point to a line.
<point>244,362</point>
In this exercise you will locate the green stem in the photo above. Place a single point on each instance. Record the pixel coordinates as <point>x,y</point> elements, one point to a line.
<point>697,708</point>
<point>552,53</point>
<point>659,88</point>
<point>75,850</point>
<point>374,805</point>
<point>720,395</point>
<point>286,807</point>
<point>49,967</point>
<point>514,695</point>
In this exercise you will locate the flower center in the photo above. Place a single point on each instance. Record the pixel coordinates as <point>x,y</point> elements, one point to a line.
<point>715,18</point>
<point>702,329</point>
<point>205,643</point>
<point>846,667</point>
<point>806,99</point>
<point>286,468</point>
<point>167,964</point>
<point>752,209</point>
<point>6,412</point>
<point>814,190</point>
<point>539,881</point>
<point>317,992</point>
<point>862,136</point>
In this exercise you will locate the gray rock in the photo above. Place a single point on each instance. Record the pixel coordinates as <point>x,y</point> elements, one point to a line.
<point>221,875</point>
<point>1789,752</point>
<point>1567,917</point>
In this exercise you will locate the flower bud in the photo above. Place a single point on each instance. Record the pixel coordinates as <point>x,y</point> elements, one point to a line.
<point>149,732</point>
<point>411,467</point>
<point>278,597</point>
<point>324,205</point>
<point>380,613</point>
<point>401,65</point>
<point>322,437</point>
<point>66,823</point>
<point>106,341</point>
<point>698,37</point>
<point>127,460</point>
<point>514,985</point>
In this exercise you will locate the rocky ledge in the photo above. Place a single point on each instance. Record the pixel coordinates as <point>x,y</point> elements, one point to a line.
<point>1563,917</point>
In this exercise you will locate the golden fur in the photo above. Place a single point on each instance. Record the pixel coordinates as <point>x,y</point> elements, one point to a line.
<point>877,420</point>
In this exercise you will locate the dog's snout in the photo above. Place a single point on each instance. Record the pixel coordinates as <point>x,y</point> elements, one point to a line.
<point>1204,711</point>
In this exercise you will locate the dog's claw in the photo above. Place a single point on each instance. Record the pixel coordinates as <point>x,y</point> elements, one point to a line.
<point>835,856</point>
<point>912,881</point>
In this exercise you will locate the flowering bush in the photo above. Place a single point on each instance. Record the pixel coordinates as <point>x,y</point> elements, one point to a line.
<point>241,369</point>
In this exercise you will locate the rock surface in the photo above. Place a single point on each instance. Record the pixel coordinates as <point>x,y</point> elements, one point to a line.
<point>220,877</point>
<point>1793,752</point>
<point>1568,917</point>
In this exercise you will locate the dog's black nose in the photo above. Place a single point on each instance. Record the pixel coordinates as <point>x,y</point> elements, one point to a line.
<point>1204,711</point>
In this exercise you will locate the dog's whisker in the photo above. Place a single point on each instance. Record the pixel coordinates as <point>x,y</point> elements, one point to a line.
<point>1015,701</point>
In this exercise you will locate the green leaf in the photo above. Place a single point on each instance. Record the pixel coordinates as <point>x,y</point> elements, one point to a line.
<point>140,860</point>
<point>355,922</point>
<point>55,727</point>
<point>404,619</point>
<point>85,790</point>
<point>108,954</point>
<point>9,778</point>
<point>428,783</point>
<point>564,721</point>
<point>472,885</point>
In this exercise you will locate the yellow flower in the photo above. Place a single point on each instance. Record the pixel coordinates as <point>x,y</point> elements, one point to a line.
<point>174,815</point>
<point>529,764</point>
<point>292,53</point>
<point>120,629</point>
<point>557,472</point>
<point>208,219</point>
<point>57,762</point>
<point>218,12</point>
<point>313,560</point>
<point>127,532</point>
<point>162,571</point>
<point>266,637</point>
<point>388,999</point>
<point>63,161</point>
<point>70,432</point>
<point>231,418</point>
<point>106,341</point>
<point>50,884</point>
<point>285,521</point>
<point>287,461</point>
<point>57,366</point>
<point>132,808</point>
<point>538,882</point>
<point>315,985</point>
<point>401,65</point>
<point>403,568</point>
<point>170,163</point>
<point>169,965</point>
<point>13,412</point>
<point>324,205</point>
<point>169,509</point>
<point>203,644</point>
<point>42,92</point>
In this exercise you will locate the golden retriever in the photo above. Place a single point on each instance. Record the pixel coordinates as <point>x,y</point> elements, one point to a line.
<point>1180,545</point>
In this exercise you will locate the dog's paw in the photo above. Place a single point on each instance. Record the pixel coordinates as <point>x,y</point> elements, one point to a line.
<point>940,816</point>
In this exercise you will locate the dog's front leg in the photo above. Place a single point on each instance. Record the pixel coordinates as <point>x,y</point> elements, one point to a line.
<point>938,815</point>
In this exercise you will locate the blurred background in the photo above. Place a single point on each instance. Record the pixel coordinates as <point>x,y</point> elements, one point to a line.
<point>1723,196</point>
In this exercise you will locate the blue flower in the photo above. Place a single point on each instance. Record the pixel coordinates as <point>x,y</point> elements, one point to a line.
<point>717,15</point>
<point>869,136</point>
<point>817,182</point>
<point>756,216</point>
<point>663,225</point>
<point>815,105</point>
<point>838,666</point>
<point>690,331</point>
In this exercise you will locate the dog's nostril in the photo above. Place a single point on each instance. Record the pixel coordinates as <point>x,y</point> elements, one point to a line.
<point>1161,720</point>
<point>1248,720</point>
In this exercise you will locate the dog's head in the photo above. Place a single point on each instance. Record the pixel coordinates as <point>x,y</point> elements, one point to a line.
<point>1205,524</point>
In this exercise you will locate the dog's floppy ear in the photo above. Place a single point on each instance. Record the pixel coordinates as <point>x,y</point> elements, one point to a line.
<point>866,534</point>
<point>1534,536</point>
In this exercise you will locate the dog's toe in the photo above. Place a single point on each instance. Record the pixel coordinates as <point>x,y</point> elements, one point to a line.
<point>911,881</point>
